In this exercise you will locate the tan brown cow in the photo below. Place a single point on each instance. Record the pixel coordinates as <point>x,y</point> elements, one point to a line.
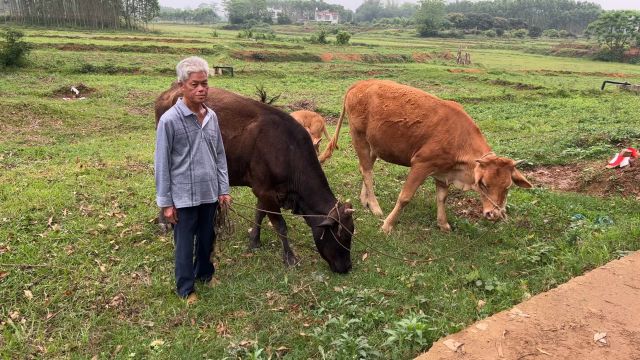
<point>435,137</point>
<point>314,124</point>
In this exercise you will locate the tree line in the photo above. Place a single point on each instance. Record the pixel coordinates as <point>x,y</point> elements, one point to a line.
<point>570,15</point>
<point>288,11</point>
<point>573,16</point>
<point>114,14</point>
<point>203,14</point>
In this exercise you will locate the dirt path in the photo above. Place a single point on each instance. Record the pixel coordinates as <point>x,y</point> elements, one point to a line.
<point>562,323</point>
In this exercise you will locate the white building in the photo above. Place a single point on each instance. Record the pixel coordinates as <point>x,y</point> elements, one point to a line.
<point>327,16</point>
<point>275,13</point>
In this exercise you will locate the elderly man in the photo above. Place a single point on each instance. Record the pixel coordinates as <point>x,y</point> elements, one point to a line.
<point>191,176</point>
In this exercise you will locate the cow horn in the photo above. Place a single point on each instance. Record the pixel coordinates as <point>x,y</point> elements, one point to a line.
<point>517,162</point>
<point>328,221</point>
<point>349,211</point>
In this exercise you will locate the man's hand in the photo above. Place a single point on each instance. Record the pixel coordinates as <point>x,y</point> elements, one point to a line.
<point>171,214</point>
<point>224,200</point>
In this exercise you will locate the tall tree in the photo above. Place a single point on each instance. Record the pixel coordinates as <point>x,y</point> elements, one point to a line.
<point>240,11</point>
<point>85,13</point>
<point>430,17</point>
<point>616,30</point>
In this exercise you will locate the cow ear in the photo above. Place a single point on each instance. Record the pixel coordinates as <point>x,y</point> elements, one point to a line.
<point>317,141</point>
<point>520,180</point>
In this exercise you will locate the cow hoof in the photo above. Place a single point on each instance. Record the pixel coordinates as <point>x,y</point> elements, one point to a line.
<point>376,211</point>
<point>254,244</point>
<point>290,260</point>
<point>445,227</point>
<point>387,228</point>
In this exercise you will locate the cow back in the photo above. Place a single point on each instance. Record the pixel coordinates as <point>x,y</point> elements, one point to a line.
<point>401,121</point>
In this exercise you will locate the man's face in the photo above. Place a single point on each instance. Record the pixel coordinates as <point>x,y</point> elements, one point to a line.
<point>195,88</point>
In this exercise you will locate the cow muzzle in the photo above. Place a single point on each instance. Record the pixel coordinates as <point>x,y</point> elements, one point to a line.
<point>341,268</point>
<point>495,214</point>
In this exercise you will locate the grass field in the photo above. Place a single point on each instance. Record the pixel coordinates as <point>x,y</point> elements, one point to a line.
<point>84,271</point>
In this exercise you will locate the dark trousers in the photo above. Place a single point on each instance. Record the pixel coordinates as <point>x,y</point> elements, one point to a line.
<point>194,227</point>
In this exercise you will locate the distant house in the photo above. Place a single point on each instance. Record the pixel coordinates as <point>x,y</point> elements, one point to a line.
<point>275,13</point>
<point>327,16</point>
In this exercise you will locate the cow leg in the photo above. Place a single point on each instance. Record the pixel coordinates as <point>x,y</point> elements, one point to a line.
<point>254,235</point>
<point>280,226</point>
<point>442,191</point>
<point>416,177</point>
<point>369,199</point>
<point>366,160</point>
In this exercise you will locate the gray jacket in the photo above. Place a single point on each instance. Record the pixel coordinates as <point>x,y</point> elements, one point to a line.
<point>190,163</point>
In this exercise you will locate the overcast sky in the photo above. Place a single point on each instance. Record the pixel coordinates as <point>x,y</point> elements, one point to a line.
<point>353,4</point>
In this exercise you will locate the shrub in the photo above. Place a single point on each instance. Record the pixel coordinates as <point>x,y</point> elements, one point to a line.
<point>490,33</point>
<point>253,34</point>
<point>342,38</point>
<point>499,31</point>
<point>520,33</point>
<point>535,31</point>
<point>13,51</point>
<point>426,31</point>
<point>319,38</point>
<point>283,19</point>
<point>565,34</point>
<point>551,33</point>
<point>454,33</point>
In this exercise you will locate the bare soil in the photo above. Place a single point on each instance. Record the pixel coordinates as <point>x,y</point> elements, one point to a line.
<point>590,178</point>
<point>594,316</point>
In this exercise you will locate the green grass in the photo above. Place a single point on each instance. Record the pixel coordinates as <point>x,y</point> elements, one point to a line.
<point>84,271</point>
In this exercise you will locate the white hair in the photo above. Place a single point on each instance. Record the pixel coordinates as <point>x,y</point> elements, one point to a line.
<point>191,65</point>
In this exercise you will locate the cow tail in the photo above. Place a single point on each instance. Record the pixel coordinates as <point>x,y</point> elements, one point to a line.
<point>333,144</point>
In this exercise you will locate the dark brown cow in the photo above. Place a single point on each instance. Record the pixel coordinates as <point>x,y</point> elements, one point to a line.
<point>270,152</point>
<point>407,126</point>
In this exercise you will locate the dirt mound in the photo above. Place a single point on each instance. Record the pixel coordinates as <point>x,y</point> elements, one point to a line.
<point>275,56</point>
<point>378,58</point>
<point>447,55</point>
<point>68,92</point>
<point>590,317</point>
<point>327,57</point>
<point>261,45</point>
<point>421,57</point>
<point>125,38</point>
<point>573,50</point>
<point>470,71</point>
<point>590,178</point>
<point>580,73</point>
<point>515,85</point>
<point>155,49</point>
